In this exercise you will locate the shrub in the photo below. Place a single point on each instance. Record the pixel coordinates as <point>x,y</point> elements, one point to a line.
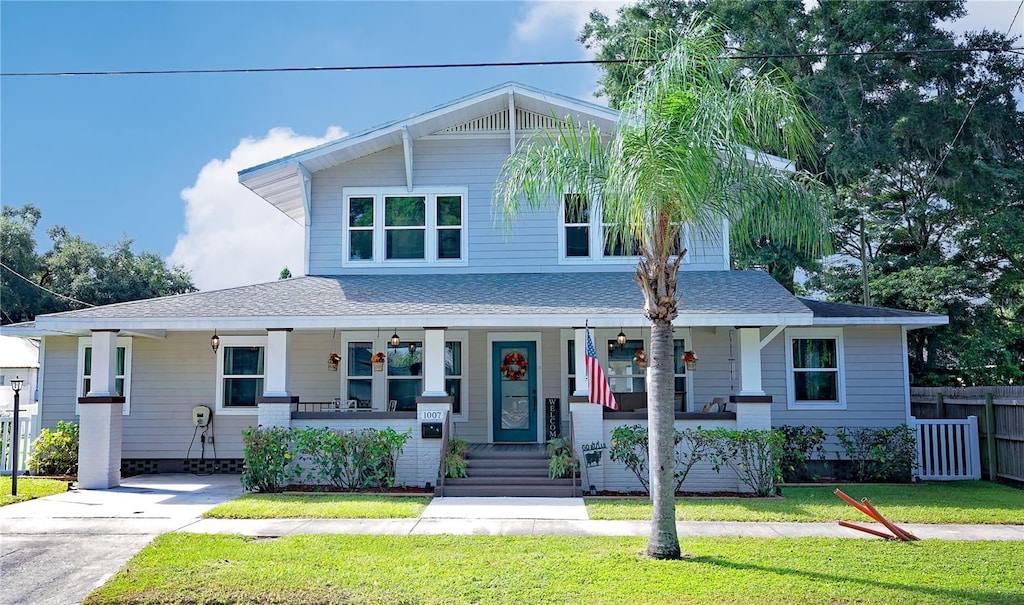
<point>800,444</point>
<point>269,466</point>
<point>455,459</point>
<point>751,453</point>
<point>562,461</point>
<point>882,454</point>
<point>382,448</point>
<point>630,446</point>
<point>350,459</point>
<point>55,452</point>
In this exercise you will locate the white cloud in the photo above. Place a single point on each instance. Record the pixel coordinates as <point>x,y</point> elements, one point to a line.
<point>557,19</point>
<point>233,237</point>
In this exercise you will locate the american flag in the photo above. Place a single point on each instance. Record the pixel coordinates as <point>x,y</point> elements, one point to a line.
<point>600,392</point>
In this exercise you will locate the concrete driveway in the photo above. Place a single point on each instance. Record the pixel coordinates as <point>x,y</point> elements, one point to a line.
<point>56,550</point>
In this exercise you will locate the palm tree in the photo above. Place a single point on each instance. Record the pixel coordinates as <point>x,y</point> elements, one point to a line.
<point>682,153</point>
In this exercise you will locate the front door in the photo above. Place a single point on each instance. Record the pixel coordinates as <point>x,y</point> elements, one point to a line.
<point>514,399</point>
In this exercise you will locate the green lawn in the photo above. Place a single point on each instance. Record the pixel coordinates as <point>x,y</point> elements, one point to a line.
<point>319,569</point>
<point>320,506</point>
<point>954,502</point>
<point>29,488</point>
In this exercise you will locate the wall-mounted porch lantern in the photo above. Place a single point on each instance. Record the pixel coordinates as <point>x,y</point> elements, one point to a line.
<point>215,341</point>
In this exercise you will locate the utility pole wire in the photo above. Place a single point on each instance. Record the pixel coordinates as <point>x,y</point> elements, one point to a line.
<point>245,70</point>
<point>44,288</point>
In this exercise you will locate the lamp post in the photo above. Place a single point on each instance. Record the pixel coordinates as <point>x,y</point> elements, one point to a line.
<point>16,386</point>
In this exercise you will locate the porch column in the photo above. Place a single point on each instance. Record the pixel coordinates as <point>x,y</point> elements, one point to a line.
<point>433,363</point>
<point>582,380</point>
<point>100,418</point>
<point>750,361</point>
<point>275,405</point>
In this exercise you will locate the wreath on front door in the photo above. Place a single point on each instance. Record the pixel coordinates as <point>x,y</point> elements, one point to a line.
<point>514,366</point>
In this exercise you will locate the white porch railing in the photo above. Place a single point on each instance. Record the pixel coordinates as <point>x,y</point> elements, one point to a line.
<point>948,450</point>
<point>26,435</point>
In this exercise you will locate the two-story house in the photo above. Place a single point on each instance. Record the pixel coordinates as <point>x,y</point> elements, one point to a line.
<point>418,305</point>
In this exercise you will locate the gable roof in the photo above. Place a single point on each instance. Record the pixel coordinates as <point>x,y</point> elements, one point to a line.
<point>282,181</point>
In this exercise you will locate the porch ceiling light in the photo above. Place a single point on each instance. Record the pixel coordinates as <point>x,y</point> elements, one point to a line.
<point>395,340</point>
<point>215,341</point>
<point>621,338</point>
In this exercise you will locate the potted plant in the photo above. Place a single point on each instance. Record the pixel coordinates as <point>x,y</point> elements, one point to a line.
<point>378,360</point>
<point>690,359</point>
<point>332,362</point>
<point>640,359</point>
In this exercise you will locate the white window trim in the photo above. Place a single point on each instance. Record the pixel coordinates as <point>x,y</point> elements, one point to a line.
<point>431,228</point>
<point>461,337</point>
<point>237,341</point>
<point>596,240</point>
<point>379,380</point>
<point>816,333</point>
<point>122,341</point>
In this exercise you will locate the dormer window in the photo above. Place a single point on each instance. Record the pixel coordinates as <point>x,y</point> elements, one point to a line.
<point>397,228</point>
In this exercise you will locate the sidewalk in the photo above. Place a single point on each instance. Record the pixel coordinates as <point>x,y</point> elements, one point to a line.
<point>566,517</point>
<point>58,549</point>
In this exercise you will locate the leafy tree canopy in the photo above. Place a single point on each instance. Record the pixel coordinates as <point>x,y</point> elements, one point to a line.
<point>74,272</point>
<point>924,151</point>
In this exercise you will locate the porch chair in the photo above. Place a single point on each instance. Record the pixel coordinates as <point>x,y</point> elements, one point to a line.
<point>717,405</point>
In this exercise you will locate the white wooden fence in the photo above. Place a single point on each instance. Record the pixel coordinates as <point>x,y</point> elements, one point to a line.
<point>948,450</point>
<point>26,434</point>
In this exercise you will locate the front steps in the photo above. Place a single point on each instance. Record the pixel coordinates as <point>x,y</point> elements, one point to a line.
<point>509,471</point>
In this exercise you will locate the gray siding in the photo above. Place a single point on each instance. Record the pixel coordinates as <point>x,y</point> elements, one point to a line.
<point>875,379</point>
<point>530,246</point>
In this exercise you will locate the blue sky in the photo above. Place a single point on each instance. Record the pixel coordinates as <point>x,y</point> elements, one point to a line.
<point>153,158</point>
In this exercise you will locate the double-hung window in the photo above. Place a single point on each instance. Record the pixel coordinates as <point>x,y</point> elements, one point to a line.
<point>400,228</point>
<point>585,236</point>
<point>122,371</point>
<point>241,370</point>
<point>815,377</point>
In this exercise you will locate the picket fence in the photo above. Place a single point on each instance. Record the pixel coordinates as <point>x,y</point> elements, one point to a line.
<point>26,434</point>
<point>1000,416</point>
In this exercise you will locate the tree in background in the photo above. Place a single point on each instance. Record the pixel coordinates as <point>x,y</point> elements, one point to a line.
<point>75,270</point>
<point>924,151</point>
<point>678,157</point>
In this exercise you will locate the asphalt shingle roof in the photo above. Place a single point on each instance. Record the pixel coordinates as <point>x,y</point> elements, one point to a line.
<point>588,293</point>
<point>845,310</point>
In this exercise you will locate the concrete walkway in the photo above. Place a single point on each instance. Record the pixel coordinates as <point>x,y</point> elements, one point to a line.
<point>56,550</point>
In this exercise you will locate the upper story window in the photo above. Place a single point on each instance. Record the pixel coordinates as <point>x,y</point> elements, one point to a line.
<point>585,236</point>
<point>122,370</point>
<point>815,377</point>
<point>398,228</point>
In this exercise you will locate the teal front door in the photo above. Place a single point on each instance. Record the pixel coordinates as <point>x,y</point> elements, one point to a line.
<point>514,396</point>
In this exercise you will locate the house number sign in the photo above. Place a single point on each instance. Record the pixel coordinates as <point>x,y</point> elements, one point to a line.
<point>432,415</point>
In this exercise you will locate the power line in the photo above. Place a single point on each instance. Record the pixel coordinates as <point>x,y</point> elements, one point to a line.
<point>244,70</point>
<point>967,116</point>
<point>44,288</point>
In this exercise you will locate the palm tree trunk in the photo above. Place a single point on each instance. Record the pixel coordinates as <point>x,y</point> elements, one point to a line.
<point>664,542</point>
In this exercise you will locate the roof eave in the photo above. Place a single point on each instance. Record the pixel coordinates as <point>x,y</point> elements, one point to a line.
<point>913,323</point>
